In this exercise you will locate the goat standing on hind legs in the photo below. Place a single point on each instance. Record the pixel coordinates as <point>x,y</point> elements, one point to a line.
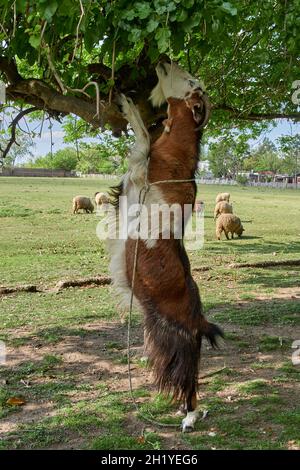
<point>163,285</point>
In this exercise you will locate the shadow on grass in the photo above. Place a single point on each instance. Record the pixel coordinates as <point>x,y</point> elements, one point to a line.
<point>271,312</point>
<point>250,237</point>
<point>261,248</point>
<point>274,277</point>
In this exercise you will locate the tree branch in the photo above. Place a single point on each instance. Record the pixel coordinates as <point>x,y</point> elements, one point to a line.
<point>13,126</point>
<point>256,116</point>
<point>35,91</point>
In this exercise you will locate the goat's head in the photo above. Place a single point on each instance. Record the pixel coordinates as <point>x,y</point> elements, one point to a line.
<point>173,82</point>
<point>196,103</point>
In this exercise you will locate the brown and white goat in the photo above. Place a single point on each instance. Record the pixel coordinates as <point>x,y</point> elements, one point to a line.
<point>163,286</point>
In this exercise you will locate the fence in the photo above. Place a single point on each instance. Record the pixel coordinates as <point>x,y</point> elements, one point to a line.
<point>39,172</point>
<point>216,181</point>
<point>46,172</point>
<point>98,175</point>
<point>272,184</point>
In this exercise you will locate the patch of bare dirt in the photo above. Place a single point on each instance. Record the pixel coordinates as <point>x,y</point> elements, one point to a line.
<point>97,357</point>
<point>282,293</point>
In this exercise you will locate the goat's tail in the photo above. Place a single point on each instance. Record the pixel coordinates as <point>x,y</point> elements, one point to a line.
<point>211,332</point>
<point>174,352</point>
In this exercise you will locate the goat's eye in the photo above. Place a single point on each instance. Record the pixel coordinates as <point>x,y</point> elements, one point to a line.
<point>191,83</point>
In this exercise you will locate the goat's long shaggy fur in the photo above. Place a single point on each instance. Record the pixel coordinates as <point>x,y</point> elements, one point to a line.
<point>174,321</point>
<point>173,345</point>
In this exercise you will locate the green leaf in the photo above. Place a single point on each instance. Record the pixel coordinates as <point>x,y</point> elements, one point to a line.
<point>162,6</point>
<point>182,16</point>
<point>35,41</point>
<point>162,36</point>
<point>229,8</point>
<point>188,3</point>
<point>134,35</point>
<point>67,8</point>
<point>192,22</point>
<point>152,25</point>
<point>50,10</point>
<point>143,10</point>
<point>129,15</point>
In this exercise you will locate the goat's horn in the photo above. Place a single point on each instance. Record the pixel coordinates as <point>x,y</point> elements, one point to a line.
<point>207,108</point>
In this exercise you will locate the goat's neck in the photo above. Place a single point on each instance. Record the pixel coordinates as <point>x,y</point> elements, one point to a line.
<point>186,139</point>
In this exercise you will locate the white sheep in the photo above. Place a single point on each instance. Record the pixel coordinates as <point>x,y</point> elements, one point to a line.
<point>229,223</point>
<point>222,207</point>
<point>101,198</point>
<point>82,202</point>
<point>222,197</point>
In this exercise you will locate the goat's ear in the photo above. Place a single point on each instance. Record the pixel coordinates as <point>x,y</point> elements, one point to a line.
<point>167,123</point>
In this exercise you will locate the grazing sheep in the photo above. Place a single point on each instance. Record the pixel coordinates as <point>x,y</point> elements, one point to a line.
<point>230,224</point>
<point>101,198</point>
<point>222,197</point>
<point>222,208</point>
<point>82,202</point>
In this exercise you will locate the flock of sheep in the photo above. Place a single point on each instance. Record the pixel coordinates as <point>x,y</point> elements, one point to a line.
<point>85,203</point>
<point>226,221</point>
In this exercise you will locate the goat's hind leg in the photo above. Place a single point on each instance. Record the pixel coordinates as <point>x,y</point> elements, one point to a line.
<point>192,415</point>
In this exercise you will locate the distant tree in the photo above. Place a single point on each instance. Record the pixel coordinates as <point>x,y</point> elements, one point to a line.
<point>109,156</point>
<point>22,147</point>
<point>76,129</point>
<point>64,159</point>
<point>269,161</point>
<point>266,146</point>
<point>264,158</point>
<point>290,148</point>
<point>226,156</point>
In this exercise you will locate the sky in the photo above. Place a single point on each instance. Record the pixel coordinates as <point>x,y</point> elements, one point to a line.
<point>41,145</point>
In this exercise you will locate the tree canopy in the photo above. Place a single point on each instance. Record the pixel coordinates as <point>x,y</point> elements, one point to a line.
<point>232,156</point>
<point>72,56</point>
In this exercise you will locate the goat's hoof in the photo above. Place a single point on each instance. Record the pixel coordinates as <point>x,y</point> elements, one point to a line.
<point>124,104</point>
<point>189,421</point>
<point>187,428</point>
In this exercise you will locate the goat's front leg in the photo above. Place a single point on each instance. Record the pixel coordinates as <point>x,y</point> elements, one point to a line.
<point>140,151</point>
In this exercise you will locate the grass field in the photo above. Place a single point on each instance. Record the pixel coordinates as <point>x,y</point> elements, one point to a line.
<point>67,350</point>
